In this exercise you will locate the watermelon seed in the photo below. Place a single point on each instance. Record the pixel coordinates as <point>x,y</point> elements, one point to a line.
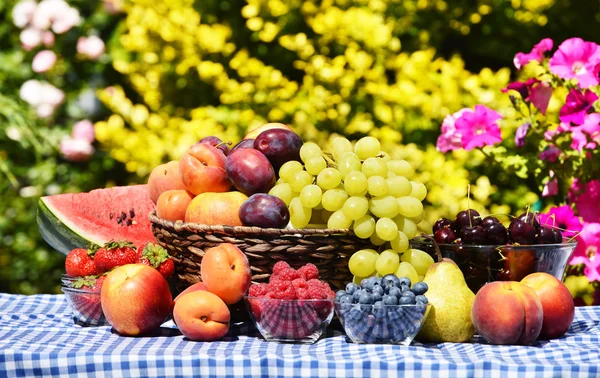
<point>119,220</point>
<point>128,222</point>
<point>110,216</point>
<point>123,216</point>
<point>131,213</point>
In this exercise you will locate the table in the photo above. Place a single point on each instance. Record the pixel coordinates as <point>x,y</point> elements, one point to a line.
<point>38,337</point>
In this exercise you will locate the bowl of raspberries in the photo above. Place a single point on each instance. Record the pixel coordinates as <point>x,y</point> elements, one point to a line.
<point>294,306</point>
<point>386,310</point>
<point>83,294</point>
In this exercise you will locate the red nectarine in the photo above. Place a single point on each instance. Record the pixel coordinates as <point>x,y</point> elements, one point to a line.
<point>201,316</point>
<point>225,271</point>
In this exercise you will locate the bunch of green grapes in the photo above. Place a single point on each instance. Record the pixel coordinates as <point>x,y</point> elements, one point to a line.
<point>356,187</point>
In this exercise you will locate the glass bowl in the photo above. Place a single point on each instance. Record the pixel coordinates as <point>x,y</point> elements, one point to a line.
<point>387,324</point>
<point>290,320</point>
<point>85,304</point>
<point>481,264</point>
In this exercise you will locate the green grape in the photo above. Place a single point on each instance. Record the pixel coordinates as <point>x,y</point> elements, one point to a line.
<point>420,260</point>
<point>339,146</point>
<point>334,199</point>
<point>356,184</point>
<point>325,214</point>
<point>400,168</point>
<point>398,186</point>
<point>409,207</point>
<point>367,147</point>
<point>349,162</point>
<point>279,181</point>
<point>418,219</point>
<point>308,150</point>
<point>310,196</point>
<point>299,215</point>
<point>283,192</point>
<point>338,220</point>
<point>386,229</point>
<point>314,165</point>
<point>400,242</point>
<point>364,227</point>
<point>289,168</point>
<point>407,270</point>
<point>300,180</point>
<point>419,191</point>
<point>357,280</point>
<point>385,156</point>
<point>377,186</point>
<point>384,207</point>
<point>356,207</point>
<point>376,240</point>
<point>329,178</point>
<point>374,167</point>
<point>387,262</point>
<point>407,226</point>
<point>362,263</point>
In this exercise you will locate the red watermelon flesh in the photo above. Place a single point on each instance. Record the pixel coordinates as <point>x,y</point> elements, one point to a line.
<point>68,221</point>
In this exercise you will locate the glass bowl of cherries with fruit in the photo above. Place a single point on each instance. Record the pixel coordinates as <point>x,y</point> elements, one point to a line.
<point>486,250</point>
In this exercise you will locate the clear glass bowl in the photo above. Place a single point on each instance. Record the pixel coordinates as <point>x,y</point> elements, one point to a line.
<point>290,320</point>
<point>388,324</point>
<point>85,304</point>
<point>481,264</point>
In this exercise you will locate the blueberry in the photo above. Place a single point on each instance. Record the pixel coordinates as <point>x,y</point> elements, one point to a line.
<point>409,294</point>
<point>405,281</point>
<point>404,288</point>
<point>365,298</point>
<point>376,296</point>
<point>379,310</point>
<point>351,288</point>
<point>396,292</point>
<point>390,280</point>
<point>340,293</point>
<point>420,288</point>
<point>390,300</point>
<point>377,289</point>
<point>356,295</point>
<point>421,299</point>
<point>406,300</point>
<point>346,299</point>
<point>370,282</point>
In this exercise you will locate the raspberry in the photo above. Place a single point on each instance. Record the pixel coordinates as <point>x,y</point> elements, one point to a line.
<point>288,293</point>
<point>299,283</point>
<point>302,293</point>
<point>288,274</point>
<point>258,290</point>
<point>315,292</point>
<point>309,272</point>
<point>279,266</point>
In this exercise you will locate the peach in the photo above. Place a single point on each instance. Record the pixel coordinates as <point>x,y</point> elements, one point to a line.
<point>136,299</point>
<point>225,271</point>
<point>202,169</point>
<point>557,302</point>
<point>507,312</point>
<point>252,134</point>
<point>164,177</point>
<point>201,316</point>
<point>198,286</point>
<point>216,209</point>
<point>172,204</point>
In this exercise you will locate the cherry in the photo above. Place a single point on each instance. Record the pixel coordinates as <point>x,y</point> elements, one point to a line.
<point>473,235</point>
<point>466,218</point>
<point>521,232</point>
<point>558,237</point>
<point>444,236</point>
<point>441,223</point>
<point>545,236</point>
<point>489,220</point>
<point>530,219</point>
<point>496,233</point>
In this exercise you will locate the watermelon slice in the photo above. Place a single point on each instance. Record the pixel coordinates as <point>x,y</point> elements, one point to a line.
<point>68,221</point>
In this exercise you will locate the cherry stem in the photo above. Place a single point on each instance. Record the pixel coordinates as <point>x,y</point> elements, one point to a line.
<point>228,143</point>
<point>436,247</point>
<point>469,205</point>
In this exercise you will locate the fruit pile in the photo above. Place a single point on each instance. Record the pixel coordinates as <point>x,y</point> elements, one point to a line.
<point>294,304</point>
<point>382,309</point>
<point>469,227</point>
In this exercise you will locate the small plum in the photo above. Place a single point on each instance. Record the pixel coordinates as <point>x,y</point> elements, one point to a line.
<point>264,210</point>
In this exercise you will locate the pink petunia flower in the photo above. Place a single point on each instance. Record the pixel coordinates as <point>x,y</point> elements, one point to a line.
<point>521,134</point>
<point>551,188</point>
<point>587,135</point>
<point>562,217</point>
<point>588,202</point>
<point>84,129</point>
<point>48,38</point>
<point>577,105</point>
<point>479,128</point>
<point>576,59</point>
<point>91,47</point>
<point>76,150</point>
<point>22,13</point>
<point>43,61</point>
<point>536,54</point>
<point>450,139</point>
<point>30,38</point>
<point>533,90</point>
<point>550,153</point>
<point>586,252</point>
<point>562,128</point>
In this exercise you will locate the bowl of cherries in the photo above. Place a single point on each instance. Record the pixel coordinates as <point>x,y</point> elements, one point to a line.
<point>486,250</point>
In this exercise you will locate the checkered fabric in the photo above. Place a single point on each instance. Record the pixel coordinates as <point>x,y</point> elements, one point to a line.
<point>38,337</point>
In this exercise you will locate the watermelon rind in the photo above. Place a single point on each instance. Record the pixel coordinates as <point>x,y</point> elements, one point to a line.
<point>62,237</point>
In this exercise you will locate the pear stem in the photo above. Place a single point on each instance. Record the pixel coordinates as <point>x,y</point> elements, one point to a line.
<point>436,247</point>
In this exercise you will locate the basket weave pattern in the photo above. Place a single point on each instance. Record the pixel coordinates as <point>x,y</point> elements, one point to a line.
<point>328,249</point>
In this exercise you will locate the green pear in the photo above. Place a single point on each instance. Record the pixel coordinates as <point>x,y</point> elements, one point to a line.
<point>449,318</point>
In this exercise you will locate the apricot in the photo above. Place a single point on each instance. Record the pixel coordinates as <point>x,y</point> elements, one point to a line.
<point>172,204</point>
<point>225,271</point>
<point>164,177</point>
<point>216,209</point>
<point>201,316</point>
<point>202,169</point>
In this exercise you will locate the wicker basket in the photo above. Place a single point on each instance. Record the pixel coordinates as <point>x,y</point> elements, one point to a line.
<point>328,249</point>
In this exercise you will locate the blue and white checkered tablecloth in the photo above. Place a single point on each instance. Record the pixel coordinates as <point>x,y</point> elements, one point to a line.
<point>38,337</point>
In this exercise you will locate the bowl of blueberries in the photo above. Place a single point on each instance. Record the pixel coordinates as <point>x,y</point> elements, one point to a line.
<point>382,310</point>
<point>485,250</point>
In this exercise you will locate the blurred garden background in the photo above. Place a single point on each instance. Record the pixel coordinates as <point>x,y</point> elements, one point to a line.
<point>97,93</point>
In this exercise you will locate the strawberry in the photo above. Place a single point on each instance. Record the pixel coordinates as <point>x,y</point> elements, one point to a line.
<point>79,263</point>
<point>157,257</point>
<point>115,253</point>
